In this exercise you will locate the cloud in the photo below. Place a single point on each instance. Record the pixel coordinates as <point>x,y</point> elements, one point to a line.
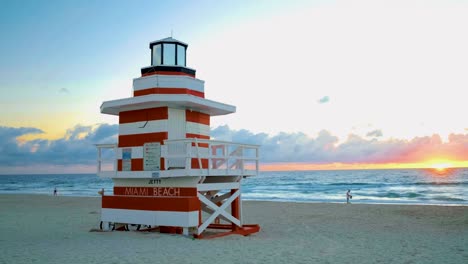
<point>64,90</point>
<point>324,148</point>
<point>375,133</point>
<point>8,143</point>
<point>324,99</point>
<point>77,148</point>
<point>244,136</point>
<point>283,147</point>
<point>9,132</point>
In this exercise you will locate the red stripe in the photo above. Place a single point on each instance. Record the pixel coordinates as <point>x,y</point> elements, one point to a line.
<point>156,191</point>
<point>197,117</point>
<point>196,165</point>
<point>167,73</point>
<point>136,164</point>
<point>160,90</point>
<point>203,145</point>
<point>140,139</point>
<point>173,204</point>
<point>159,113</point>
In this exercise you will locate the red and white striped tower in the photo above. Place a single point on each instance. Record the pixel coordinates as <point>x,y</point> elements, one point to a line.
<point>167,173</point>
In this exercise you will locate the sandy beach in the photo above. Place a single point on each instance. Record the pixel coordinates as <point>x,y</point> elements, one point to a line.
<point>47,229</point>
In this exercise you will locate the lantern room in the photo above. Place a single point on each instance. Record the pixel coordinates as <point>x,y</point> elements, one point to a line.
<point>169,52</point>
<point>168,55</point>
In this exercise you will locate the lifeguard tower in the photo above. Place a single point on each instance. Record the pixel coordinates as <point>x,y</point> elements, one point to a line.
<point>168,174</point>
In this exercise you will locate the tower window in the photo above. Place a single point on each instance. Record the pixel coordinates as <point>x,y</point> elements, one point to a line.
<point>169,57</point>
<point>157,55</point>
<point>180,55</point>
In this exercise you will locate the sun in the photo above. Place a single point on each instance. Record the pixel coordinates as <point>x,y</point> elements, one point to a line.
<point>441,166</point>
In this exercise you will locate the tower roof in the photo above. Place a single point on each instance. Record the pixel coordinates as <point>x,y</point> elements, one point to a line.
<point>181,101</point>
<point>168,40</point>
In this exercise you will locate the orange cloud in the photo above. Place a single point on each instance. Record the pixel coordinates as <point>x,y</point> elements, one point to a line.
<point>361,166</point>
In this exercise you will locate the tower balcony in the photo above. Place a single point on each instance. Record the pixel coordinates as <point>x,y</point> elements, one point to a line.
<point>182,158</point>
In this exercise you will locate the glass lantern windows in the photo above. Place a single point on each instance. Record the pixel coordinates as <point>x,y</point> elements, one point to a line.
<point>171,54</point>
<point>180,55</point>
<point>157,58</point>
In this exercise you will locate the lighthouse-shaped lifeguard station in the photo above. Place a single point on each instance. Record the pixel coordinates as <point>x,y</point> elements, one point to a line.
<point>168,174</point>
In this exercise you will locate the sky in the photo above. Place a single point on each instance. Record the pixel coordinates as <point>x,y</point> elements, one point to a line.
<point>318,84</point>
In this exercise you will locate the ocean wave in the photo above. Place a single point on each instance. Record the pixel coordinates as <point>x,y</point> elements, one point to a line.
<point>9,189</point>
<point>57,181</point>
<point>440,183</point>
<point>394,195</point>
<point>448,199</point>
<point>350,184</point>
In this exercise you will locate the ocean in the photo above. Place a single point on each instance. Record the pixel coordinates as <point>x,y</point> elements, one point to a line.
<point>396,186</point>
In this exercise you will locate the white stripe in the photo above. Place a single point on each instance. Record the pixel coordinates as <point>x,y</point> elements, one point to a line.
<point>204,152</point>
<point>198,129</point>
<point>142,127</point>
<point>155,126</point>
<point>159,81</point>
<point>137,152</point>
<point>154,218</point>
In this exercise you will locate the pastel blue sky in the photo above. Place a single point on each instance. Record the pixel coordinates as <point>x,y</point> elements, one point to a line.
<point>379,71</point>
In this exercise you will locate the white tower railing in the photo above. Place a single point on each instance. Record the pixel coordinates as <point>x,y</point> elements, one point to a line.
<point>193,157</point>
<point>106,166</point>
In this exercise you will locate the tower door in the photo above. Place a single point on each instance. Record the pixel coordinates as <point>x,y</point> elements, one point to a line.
<point>176,130</point>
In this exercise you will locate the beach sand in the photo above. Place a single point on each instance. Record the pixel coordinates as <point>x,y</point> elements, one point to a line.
<point>47,229</point>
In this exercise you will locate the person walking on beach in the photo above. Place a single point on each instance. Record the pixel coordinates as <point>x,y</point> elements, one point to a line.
<point>55,191</point>
<point>348,196</point>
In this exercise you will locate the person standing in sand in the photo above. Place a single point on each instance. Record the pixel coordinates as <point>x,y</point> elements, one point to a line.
<point>55,191</point>
<point>348,196</point>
